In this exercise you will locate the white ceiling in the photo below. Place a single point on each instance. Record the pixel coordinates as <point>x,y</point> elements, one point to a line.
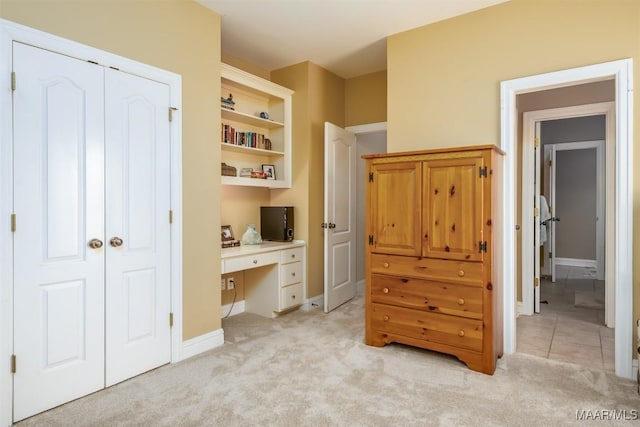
<point>346,37</point>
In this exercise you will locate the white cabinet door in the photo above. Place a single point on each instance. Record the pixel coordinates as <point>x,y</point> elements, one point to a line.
<point>59,204</point>
<point>138,335</point>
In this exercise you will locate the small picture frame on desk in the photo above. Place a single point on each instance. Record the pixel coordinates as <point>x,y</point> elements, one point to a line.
<point>269,171</point>
<point>226,235</point>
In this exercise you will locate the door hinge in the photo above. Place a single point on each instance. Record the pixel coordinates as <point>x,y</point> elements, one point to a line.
<point>536,142</point>
<point>550,254</point>
<point>536,212</point>
<point>171,320</point>
<point>370,176</point>
<point>483,172</point>
<point>13,80</point>
<point>170,216</point>
<point>171,110</point>
<point>13,364</point>
<point>550,162</point>
<point>536,282</point>
<point>370,239</point>
<point>13,223</point>
<point>482,246</point>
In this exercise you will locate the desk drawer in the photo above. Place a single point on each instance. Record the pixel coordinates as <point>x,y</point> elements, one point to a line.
<point>290,296</point>
<point>291,273</point>
<point>250,261</point>
<point>291,255</point>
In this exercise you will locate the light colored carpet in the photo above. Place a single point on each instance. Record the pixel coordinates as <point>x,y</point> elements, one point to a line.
<point>312,369</point>
<point>589,299</point>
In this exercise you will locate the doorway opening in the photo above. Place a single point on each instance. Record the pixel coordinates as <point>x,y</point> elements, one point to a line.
<point>621,72</point>
<point>569,239</point>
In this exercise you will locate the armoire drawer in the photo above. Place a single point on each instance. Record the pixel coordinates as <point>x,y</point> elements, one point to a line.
<point>469,273</point>
<point>427,295</point>
<point>441,328</point>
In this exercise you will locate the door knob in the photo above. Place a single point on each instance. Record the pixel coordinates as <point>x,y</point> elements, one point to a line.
<point>95,243</point>
<point>332,225</point>
<point>116,242</point>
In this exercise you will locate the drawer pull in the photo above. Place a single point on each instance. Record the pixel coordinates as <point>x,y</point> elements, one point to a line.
<point>293,255</point>
<point>385,291</point>
<point>405,280</point>
<point>461,273</point>
<point>293,297</point>
<point>385,265</point>
<point>461,301</point>
<point>385,318</point>
<point>293,274</point>
<point>460,333</point>
<point>255,261</point>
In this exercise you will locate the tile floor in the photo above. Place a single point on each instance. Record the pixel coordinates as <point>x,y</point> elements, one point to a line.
<point>566,332</point>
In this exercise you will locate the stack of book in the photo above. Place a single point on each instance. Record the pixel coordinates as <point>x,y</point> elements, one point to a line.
<point>229,135</point>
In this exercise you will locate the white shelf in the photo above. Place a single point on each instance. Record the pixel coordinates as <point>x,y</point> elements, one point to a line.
<point>248,119</point>
<point>249,150</point>
<point>253,182</point>
<point>253,95</point>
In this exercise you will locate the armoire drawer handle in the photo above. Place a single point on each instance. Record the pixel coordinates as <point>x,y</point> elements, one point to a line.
<point>461,273</point>
<point>385,318</point>
<point>385,265</point>
<point>460,333</point>
<point>461,301</point>
<point>385,290</point>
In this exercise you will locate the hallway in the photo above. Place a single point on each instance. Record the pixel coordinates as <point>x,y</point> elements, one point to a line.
<point>570,326</point>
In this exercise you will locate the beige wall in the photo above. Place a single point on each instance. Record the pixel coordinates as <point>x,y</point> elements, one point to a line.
<point>319,97</point>
<point>182,37</point>
<point>366,99</point>
<point>444,79</point>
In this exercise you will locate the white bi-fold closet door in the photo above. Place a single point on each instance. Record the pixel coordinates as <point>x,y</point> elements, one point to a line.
<point>92,242</point>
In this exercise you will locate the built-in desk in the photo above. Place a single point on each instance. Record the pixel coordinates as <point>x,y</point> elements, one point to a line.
<point>274,275</point>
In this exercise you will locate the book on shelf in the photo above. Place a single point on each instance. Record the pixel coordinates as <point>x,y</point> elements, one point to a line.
<point>229,135</point>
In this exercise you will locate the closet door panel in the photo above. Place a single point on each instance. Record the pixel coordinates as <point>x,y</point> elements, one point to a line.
<point>138,204</point>
<point>59,206</point>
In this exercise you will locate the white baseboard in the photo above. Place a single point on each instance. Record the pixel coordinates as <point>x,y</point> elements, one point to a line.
<point>573,262</point>
<point>313,303</point>
<point>238,307</point>
<point>202,343</point>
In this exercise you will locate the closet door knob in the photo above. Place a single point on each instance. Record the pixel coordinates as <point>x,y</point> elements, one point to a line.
<point>95,243</point>
<point>116,242</point>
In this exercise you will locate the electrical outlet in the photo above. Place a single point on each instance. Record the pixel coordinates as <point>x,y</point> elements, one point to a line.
<point>223,285</point>
<point>231,283</point>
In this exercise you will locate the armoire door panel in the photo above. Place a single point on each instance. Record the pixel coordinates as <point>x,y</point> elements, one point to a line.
<point>138,204</point>
<point>396,205</point>
<point>453,209</point>
<point>59,204</point>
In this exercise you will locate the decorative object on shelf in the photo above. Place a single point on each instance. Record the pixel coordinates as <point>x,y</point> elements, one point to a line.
<point>264,115</point>
<point>228,103</point>
<point>246,172</point>
<point>270,171</point>
<point>251,236</point>
<point>258,174</point>
<point>227,238</point>
<point>228,170</point>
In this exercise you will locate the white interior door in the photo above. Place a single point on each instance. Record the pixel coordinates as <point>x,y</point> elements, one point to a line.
<point>59,207</point>
<point>339,216</point>
<point>550,191</point>
<point>537,283</point>
<point>138,334</point>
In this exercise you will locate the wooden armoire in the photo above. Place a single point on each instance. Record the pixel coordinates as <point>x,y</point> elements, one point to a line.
<point>430,276</point>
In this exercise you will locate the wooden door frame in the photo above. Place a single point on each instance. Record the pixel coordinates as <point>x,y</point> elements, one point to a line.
<point>622,72</point>
<point>528,134</point>
<point>10,32</point>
